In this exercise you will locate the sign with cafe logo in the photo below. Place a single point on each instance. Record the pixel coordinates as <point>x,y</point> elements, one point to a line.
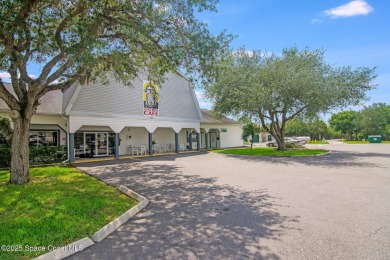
<point>150,98</point>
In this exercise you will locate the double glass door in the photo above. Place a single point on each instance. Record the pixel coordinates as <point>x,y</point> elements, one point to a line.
<point>93,144</point>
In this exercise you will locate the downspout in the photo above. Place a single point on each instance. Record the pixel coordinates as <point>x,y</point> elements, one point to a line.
<point>67,139</point>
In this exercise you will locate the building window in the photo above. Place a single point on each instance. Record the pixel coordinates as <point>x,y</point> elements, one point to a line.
<point>44,138</point>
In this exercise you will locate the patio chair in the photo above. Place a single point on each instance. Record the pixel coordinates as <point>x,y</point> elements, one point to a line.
<point>165,148</point>
<point>156,148</point>
<point>181,148</point>
<point>171,148</point>
<point>143,150</point>
<point>134,150</point>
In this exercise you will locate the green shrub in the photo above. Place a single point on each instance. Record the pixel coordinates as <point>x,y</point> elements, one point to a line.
<point>290,145</point>
<point>47,154</point>
<point>38,155</point>
<point>5,156</point>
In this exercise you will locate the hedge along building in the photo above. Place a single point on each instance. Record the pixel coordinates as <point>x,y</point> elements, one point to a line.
<point>110,119</point>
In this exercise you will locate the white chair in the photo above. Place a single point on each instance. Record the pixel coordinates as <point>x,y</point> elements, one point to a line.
<point>134,150</point>
<point>130,150</point>
<point>171,148</point>
<point>156,148</point>
<point>165,149</point>
<point>143,150</point>
<point>181,148</point>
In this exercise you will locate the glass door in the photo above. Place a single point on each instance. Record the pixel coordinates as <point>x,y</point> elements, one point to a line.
<point>90,143</point>
<point>102,143</point>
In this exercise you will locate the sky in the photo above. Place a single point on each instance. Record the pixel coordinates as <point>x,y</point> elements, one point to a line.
<point>352,33</point>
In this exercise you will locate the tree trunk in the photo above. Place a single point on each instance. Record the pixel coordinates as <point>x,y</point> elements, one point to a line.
<point>20,149</point>
<point>280,141</point>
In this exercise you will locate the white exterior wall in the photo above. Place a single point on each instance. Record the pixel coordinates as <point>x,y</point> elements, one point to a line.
<point>47,122</point>
<point>231,138</point>
<point>164,136</point>
<point>135,136</point>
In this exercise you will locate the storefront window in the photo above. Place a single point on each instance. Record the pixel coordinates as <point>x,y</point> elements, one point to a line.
<point>44,138</point>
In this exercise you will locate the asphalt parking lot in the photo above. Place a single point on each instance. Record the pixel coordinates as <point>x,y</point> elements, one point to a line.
<point>214,206</point>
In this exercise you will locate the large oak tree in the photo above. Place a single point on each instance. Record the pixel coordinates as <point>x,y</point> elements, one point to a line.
<point>273,89</point>
<point>77,40</point>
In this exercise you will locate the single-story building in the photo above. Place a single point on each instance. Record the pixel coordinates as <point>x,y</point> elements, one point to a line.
<point>113,119</point>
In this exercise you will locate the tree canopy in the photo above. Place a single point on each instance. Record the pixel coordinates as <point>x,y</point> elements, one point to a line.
<point>275,88</point>
<point>345,122</point>
<point>81,40</point>
<point>374,120</point>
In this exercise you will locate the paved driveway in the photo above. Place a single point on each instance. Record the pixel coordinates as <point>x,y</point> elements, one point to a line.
<point>213,206</point>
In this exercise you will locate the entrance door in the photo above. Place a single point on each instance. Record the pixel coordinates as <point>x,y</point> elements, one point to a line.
<point>90,143</point>
<point>102,143</point>
<point>96,144</point>
<point>213,140</point>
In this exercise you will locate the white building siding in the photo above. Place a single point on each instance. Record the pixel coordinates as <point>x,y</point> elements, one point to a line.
<point>231,138</point>
<point>175,99</point>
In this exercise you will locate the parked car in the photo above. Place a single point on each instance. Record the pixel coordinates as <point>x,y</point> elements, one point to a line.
<point>295,140</point>
<point>287,140</point>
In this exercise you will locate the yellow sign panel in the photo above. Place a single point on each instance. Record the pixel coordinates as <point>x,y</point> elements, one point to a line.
<point>150,98</point>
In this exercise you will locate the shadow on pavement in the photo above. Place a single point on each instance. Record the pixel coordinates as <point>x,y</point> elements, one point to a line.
<point>335,159</point>
<point>188,217</point>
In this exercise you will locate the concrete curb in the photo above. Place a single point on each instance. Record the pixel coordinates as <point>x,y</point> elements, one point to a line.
<point>113,225</point>
<point>328,152</point>
<point>68,250</point>
<point>80,245</point>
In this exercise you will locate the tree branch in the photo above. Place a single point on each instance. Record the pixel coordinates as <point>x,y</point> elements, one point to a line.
<point>8,98</point>
<point>80,8</point>
<point>296,113</point>
<point>47,69</point>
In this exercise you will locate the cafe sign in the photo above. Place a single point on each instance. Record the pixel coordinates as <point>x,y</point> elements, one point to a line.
<point>150,98</point>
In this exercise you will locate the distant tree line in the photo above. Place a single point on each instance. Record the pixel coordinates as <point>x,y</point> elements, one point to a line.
<point>350,124</point>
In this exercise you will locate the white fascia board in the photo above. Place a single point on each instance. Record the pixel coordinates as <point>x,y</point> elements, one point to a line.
<point>140,117</point>
<point>72,100</point>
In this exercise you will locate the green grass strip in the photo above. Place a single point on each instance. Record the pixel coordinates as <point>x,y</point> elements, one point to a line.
<point>317,142</point>
<point>265,151</point>
<point>58,206</point>
<point>362,142</point>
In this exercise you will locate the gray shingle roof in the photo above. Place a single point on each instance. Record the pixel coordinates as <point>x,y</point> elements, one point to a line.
<point>209,117</point>
<point>51,103</point>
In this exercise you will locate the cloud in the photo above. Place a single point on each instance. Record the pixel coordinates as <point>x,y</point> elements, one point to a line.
<point>316,20</point>
<point>353,8</point>
<point>5,76</point>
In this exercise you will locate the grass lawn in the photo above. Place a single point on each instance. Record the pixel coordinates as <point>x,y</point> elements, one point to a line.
<point>317,142</point>
<point>266,151</point>
<point>363,142</point>
<point>58,206</point>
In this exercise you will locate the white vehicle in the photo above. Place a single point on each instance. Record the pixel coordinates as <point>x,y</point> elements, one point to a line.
<point>287,140</point>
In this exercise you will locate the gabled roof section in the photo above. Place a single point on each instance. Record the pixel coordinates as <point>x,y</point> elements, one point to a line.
<point>198,109</point>
<point>51,102</point>
<point>209,117</point>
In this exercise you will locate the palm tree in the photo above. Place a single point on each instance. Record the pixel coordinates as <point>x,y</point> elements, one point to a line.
<point>250,129</point>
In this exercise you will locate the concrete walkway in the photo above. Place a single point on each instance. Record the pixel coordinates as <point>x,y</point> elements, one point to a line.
<point>213,206</point>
